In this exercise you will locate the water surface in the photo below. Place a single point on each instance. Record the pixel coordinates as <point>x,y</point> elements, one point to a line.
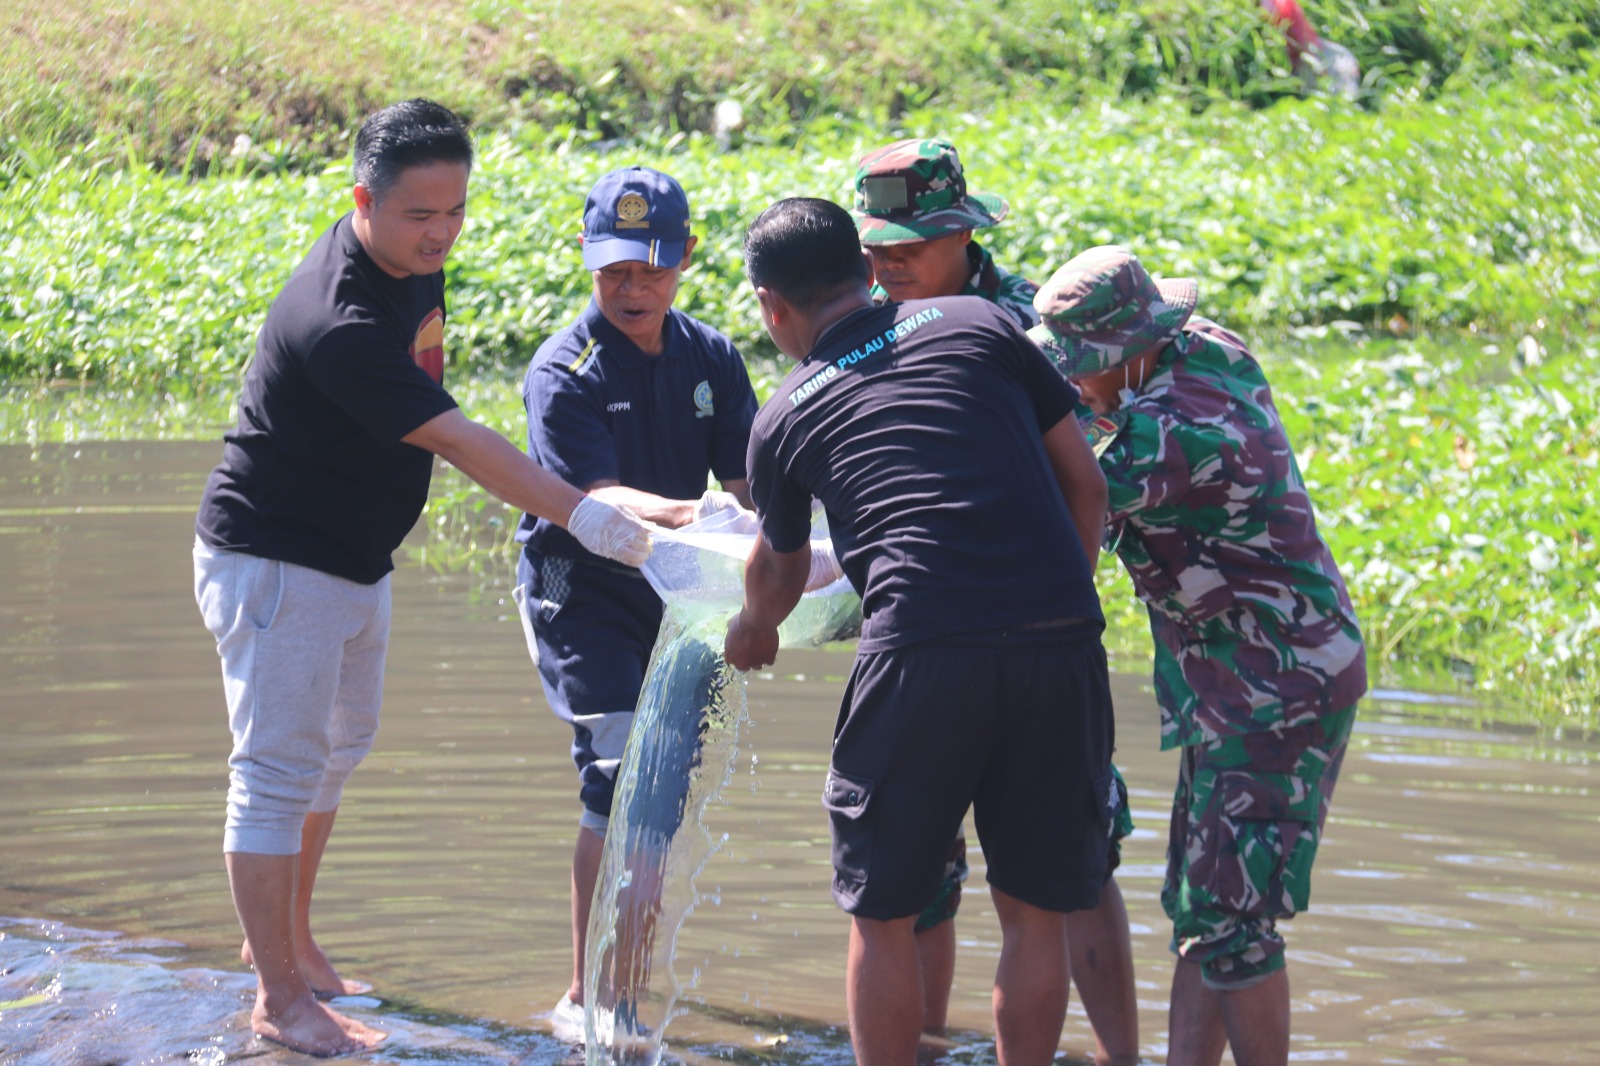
<point>1455,919</point>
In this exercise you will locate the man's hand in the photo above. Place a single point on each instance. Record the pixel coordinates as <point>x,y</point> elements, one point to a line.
<point>715,501</point>
<point>749,646</point>
<point>609,531</point>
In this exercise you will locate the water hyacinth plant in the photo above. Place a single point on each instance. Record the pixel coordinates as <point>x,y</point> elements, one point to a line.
<point>1421,216</point>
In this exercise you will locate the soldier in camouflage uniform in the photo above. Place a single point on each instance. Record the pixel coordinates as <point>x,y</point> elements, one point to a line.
<point>915,217</point>
<point>1258,659</point>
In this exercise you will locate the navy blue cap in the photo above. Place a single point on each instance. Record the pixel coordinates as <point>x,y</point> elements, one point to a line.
<point>635,214</point>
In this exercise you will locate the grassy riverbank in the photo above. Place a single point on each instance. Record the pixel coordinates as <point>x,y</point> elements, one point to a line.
<point>1418,266</point>
<point>175,82</point>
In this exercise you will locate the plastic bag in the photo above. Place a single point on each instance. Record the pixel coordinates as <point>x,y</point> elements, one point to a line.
<point>679,757</point>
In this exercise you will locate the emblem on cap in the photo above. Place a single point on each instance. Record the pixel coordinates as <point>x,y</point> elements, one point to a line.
<point>631,212</point>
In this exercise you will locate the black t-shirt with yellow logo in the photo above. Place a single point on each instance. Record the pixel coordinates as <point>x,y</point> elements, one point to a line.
<point>348,362</point>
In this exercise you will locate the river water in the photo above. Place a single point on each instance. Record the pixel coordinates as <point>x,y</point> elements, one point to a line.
<point>1456,916</point>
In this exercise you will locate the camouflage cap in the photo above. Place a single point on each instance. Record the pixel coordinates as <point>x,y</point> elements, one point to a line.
<point>915,191</point>
<point>1101,309</point>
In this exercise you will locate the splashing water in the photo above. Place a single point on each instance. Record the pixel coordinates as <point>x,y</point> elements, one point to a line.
<point>679,757</point>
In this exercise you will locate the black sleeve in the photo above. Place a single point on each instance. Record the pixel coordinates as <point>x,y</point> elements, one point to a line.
<point>1053,396</point>
<point>783,507</point>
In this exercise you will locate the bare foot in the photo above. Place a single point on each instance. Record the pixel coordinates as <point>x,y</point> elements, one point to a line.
<point>358,1030</point>
<point>307,1026</point>
<point>324,979</point>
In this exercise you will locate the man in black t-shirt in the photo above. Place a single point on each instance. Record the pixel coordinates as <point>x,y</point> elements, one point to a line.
<point>966,509</point>
<point>341,414</point>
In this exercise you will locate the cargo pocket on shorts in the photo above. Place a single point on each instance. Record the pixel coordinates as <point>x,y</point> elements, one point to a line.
<point>1263,833</point>
<point>846,799</point>
<point>540,597</point>
<point>554,582</point>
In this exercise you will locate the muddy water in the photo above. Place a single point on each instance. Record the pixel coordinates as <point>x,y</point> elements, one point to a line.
<point>1456,917</point>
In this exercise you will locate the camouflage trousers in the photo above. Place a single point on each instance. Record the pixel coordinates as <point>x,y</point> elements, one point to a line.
<point>1246,820</point>
<point>948,899</point>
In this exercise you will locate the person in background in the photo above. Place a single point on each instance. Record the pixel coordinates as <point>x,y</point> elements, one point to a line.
<point>1259,661</point>
<point>642,402</point>
<point>340,418</point>
<point>1317,60</point>
<point>915,216</point>
<point>966,509</point>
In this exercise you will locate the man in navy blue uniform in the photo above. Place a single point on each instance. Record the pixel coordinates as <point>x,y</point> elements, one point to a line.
<point>966,508</point>
<point>341,415</point>
<point>643,402</point>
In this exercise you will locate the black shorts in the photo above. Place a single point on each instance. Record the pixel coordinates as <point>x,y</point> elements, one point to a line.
<point>1016,724</point>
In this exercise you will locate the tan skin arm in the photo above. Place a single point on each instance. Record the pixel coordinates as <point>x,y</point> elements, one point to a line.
<point>659,510</point>
<point>1082,483</point>
<point>773,583</point>
<point>495,463</point>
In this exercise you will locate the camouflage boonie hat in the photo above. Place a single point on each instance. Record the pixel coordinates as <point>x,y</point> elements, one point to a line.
<point>1101,309</point>
<point>915,191</point>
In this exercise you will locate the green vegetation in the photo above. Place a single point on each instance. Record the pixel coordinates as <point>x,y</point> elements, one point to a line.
<point>1479,212</point>
<point>1417,267</point>
<point>175,82</point>
<point>1455,485</point>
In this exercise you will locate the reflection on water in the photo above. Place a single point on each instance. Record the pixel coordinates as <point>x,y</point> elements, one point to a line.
<point>1456,916</point>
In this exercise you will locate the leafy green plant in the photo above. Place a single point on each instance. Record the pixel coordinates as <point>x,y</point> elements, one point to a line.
<point>186,79</point>
<point>1477,212</point>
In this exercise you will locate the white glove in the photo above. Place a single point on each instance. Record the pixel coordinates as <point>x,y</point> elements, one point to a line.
<point>825,568</point>
<point>714,502</point>
<point>609,531</point>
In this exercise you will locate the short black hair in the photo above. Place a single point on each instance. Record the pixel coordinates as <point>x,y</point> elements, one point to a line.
<point>408,134</point>
<point>805,250</point>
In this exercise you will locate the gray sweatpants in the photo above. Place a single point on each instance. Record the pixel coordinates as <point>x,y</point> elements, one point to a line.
<point>302,668</point>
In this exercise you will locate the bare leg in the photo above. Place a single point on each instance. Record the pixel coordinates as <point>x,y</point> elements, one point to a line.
<point>313,964</point>
<point>1257,1022</point>
<point>1102,971</point>
<point>1030,984</point>
<point>286,1009</point>
<point>1195,1033</point>
<point>585,871</point>
<point>936,951</point>
<point>883,986</point>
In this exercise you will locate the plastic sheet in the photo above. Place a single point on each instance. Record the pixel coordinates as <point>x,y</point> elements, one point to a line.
<point>678,759</point>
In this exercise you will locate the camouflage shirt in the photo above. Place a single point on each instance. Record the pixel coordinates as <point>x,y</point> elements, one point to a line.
<point>1013,292</point>
<point>1252,623</point>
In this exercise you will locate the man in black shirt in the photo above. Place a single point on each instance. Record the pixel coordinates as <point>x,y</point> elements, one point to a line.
<point>966,509</point>
<point>340,417</point>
